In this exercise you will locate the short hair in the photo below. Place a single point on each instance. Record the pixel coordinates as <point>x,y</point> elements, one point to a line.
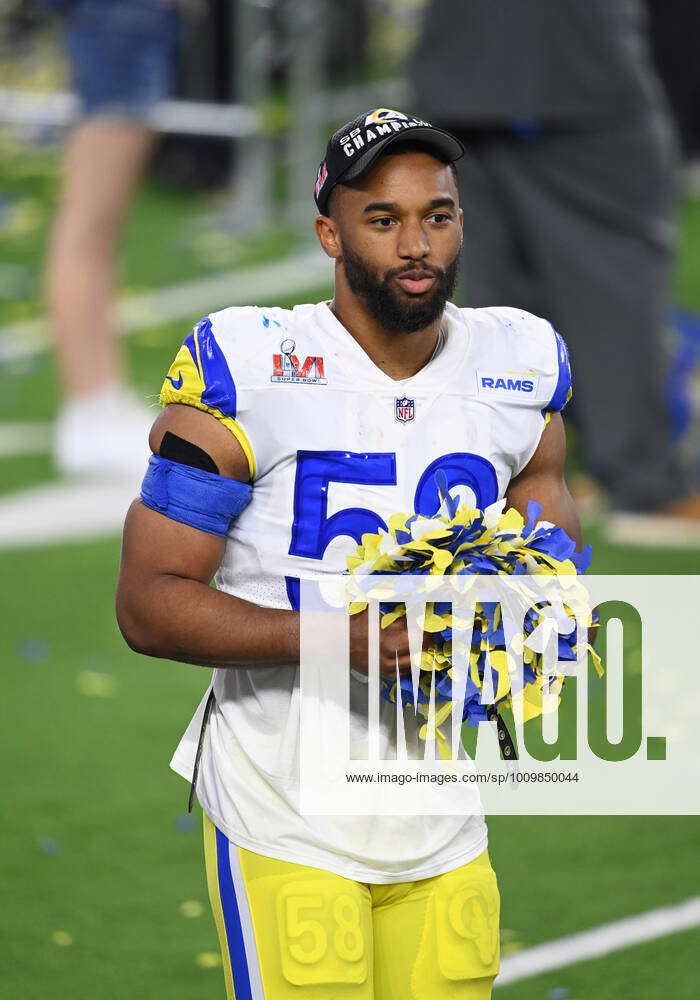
<point>398,149</point>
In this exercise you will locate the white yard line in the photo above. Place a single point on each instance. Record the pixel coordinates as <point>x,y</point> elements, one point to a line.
<point>599,941</point>
<point>264,283</point>
<point>60,512</point>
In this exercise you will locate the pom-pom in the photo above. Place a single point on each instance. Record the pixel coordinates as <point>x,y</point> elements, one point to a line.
<point>460,540</point>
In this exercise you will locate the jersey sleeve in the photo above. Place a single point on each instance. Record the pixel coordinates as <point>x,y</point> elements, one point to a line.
<point>200,376</point>
<point>522,344</point>
<point>525,374</point>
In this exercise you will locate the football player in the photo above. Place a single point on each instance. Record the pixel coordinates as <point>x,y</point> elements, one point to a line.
<point>286,435</point>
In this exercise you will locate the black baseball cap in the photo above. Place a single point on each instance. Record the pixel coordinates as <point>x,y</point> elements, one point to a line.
<point>354,147</point>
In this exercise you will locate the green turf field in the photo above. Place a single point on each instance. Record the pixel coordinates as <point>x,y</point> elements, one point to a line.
<point>98,856</point>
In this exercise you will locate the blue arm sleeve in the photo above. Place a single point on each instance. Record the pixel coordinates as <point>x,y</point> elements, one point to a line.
<point>201,499</point>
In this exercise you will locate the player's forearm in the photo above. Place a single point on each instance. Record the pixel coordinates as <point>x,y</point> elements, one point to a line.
<point>180,619</point>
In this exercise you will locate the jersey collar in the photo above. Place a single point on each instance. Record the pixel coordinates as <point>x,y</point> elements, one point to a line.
<point>433,375</point>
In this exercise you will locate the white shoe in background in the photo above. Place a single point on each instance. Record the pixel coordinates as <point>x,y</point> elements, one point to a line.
<point>104,435</point>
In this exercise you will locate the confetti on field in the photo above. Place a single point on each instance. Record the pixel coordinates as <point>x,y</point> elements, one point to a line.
<point>184,823</point>
<point>209,960</point>
<point>33,649</point>
<point>153,337</point>
<point>48,845</point>
<point>217,249</point>
<point>62,938</point>
<point>191,909</point>
<point>20,217</point>
<point>510,943</point>
<point>94,684</point>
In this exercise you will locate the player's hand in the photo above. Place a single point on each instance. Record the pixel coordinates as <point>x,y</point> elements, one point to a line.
<point>393,646</point>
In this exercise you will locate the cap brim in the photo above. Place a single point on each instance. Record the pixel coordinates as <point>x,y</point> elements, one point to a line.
<point>443,142</point>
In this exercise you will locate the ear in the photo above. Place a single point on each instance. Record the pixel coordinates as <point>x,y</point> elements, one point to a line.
<point>328,236</point>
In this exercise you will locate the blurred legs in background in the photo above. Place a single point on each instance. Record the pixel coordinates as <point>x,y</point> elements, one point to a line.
<point>103,163</point>
<point>122,57</point>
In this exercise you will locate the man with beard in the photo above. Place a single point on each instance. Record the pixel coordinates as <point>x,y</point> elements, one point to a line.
<point>287,435</point>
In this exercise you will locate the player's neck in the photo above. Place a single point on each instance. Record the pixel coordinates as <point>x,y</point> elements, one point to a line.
<point>399,355</point>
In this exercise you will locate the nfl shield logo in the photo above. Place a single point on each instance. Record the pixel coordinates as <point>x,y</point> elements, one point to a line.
<point>405,409</point>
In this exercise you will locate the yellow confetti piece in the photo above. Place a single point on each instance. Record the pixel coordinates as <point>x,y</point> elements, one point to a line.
<point>94,684</point>
<point>441,560</point>
<point>191,909</point>
<point>391,616</point>
<point>23,218</point>
<point>431,622</point>
<point>510,942</point>
<point>511,520</point>
<point>216,248</point>
<point>357,607</point>
<point>499,661</point>
<point>597,661</point>
<point>397,522</point>
<point>62,938</point>
<point>153,338</point>
<point>208,960</point>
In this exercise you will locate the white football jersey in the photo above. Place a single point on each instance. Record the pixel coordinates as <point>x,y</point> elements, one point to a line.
<point>335,447</point>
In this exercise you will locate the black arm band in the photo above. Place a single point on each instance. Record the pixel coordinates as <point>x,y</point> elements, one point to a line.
<point>178,450</point>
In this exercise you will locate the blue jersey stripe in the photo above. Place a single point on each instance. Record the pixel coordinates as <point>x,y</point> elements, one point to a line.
<point>563,386</point>
<point>232,920</point>
<point>220,391</point>
<point>293,585</point>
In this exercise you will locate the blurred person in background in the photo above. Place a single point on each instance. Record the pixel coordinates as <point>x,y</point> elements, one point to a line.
<point>674,29</point>
<point>122,55</point>
<point>569,200</point>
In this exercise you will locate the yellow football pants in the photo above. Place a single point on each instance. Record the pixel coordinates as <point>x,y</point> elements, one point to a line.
<point>289,931</point>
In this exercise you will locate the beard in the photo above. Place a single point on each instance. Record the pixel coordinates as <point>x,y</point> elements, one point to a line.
<point>400,312</point>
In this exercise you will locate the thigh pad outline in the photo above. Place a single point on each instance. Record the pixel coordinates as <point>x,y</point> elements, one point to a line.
<point>324,932</point>
<point>466,912</point>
